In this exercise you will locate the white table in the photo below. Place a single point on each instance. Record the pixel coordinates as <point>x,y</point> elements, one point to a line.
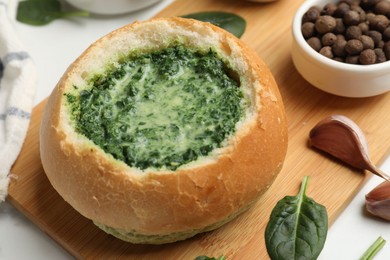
<point>53,47</point>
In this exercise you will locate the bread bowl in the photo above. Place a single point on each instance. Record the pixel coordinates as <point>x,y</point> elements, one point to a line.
<point>164,199</point>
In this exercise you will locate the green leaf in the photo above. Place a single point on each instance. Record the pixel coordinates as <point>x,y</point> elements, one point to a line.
<point>203,257</point>
<point>230,22</point>
<point>297,228</point>
<point>41,12</point>
<point>373,249</point>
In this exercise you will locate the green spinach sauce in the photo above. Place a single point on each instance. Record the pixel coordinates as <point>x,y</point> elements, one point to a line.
<point>162,109</point>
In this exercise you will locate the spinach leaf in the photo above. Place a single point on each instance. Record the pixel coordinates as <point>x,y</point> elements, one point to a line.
<point>203,257</point>
<point>297,228</point>
<point>230,22</point>
<point>41,12</point>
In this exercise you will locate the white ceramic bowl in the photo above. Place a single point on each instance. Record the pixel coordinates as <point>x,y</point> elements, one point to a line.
<point>111,7</point>
<point>331,76</point>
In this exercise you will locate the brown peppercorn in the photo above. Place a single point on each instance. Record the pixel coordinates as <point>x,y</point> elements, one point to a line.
<point>339,59</point>
<point>360,11</point>
<point>380,44</point>
<point>353,32</point>
<point>328,39</point>
<point>325,24</point>
<point>351,18</point>
<point>340,27</point>
<point>368,42</point>
<point>380,55</point>
<point>386,50</point>
<point>338,48</point>
<point>368,4</point>
<point>352,59</point>
<point>354,47</point>
<point>379,23</point>
<point>315,43</point>
<point>386,34</point>
<point>327,52</point>
<point>329,9</point>
<point>342,8</point>
<point>369,17</point>
<point>311,15</point>
<point>382,7</point>
<point>364,27</point>
<point>340,37</point>
<point>308,29</point>
<point>349,2</point>
<point>375,35</point>
<point>367,57</point>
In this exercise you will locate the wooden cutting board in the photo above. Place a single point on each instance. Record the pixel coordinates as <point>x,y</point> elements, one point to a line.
<point>332,184</point>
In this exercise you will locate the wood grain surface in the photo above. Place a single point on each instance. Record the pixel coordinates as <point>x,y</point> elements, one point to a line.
<point>331,184</point>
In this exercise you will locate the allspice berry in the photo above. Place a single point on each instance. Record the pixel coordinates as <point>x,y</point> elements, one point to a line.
<point>308,29</point>
<point>364,27</point>
<point>353,32</point>
<point>360,11</point>
<point>376,36</point>
<point>315,43</point>
<point>342,8</point>
<point>380,44</point>
<point>386,50</point>
<point>311,15</point>
<point>338,48</point>
<point>340,27</point>
<point>382,7</point>
<point>379,23</point>
<point>349,2</point>
<point>351,18</point>
<point>386,34</point>
<point>327,52</point>
<point>329,9</point>
<point>340,37</point>
<point>325,24</point>
<point>354,47</point>
<point>367,57</point>
<point>368,42</point>
<point>328,39</point>
<point>369,17</point>
<point>369,4</point>
<point>339,59</point>
<point>380,55</point>
<point>352,59</point>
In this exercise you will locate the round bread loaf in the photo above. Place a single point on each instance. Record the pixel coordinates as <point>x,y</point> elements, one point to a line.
<point>152,203</point>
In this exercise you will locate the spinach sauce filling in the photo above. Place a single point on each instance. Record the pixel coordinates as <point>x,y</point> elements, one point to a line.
<point>159,110</point>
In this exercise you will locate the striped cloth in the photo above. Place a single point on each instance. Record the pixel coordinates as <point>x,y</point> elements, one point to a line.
<point>18,83</point>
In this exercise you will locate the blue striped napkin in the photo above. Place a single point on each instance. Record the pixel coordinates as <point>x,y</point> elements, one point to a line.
<point>18,81</point>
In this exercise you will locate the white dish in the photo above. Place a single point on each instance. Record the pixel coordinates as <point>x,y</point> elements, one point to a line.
<point>112,7</point>
<point>331,76</point>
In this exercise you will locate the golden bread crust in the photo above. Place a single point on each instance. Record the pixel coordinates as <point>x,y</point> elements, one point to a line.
<point>163,202</point>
